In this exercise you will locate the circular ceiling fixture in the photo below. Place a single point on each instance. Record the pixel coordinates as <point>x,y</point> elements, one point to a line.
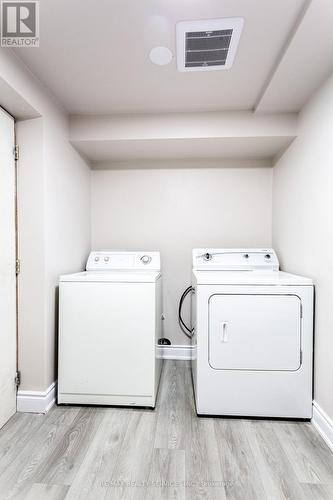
<point>160,56</point>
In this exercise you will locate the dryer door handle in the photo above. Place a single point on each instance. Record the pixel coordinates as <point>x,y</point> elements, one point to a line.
<point>224,331</point>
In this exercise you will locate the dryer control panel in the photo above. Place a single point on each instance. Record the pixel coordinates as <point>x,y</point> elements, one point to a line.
<point>105,260</point>
<point>235,259</point>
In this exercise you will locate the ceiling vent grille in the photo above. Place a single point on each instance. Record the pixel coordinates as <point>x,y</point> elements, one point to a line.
<point>207,45</point>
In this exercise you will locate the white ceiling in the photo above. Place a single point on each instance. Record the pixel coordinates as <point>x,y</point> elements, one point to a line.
<point>93,55</point>
<point>305,64</point>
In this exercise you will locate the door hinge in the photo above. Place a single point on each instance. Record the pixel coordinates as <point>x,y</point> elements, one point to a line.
<point>301,358</point>
<point>18,266</point>
<point>18,378</point>
<point>301,310</point>
<point>16,152</point>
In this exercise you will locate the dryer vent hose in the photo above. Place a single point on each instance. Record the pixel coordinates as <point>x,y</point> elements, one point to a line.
<point>188,331</point>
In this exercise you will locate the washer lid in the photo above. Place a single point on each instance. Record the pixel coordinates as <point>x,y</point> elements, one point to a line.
<point>112,277</point>
<point>249,278</point>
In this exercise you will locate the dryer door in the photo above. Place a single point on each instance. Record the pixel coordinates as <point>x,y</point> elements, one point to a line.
<point>255,332</point>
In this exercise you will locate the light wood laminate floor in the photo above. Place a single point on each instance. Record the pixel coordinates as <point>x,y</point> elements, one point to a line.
<point>114,453</point>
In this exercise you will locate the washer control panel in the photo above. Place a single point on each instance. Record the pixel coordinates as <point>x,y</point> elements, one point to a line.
<point>235,259</point>
<point>105,260</point>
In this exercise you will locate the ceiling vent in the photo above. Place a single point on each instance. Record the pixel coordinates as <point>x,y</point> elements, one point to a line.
<point>207,45</point>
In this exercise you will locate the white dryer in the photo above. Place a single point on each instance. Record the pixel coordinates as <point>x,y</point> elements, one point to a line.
<point>109,326</point>
<point>252,335</point>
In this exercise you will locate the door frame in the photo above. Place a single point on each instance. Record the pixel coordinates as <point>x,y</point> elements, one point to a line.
<point>16,245</point>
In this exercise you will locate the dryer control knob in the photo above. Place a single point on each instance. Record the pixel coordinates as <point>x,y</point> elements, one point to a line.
<point>96,259</point>
<point>145,259</point>
<point>106,259</point>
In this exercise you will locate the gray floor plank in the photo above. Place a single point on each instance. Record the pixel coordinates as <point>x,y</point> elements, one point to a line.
<point>204,477</point>
<point>131,473</point>
<point>67,456</point>
<point>167,475</point>
<point>16,435</point>
<point>95,472</point>
<point>24,469</point>
<point>274,467</point>
<point>238,465</point>
<point>316,492</point>
<point>271,485</point>
<point>62,415</point>
<point>40,491</point>
<point>171,407</point>
<point>320,453</point>
<point>82,453</point>
<point>306,465</point>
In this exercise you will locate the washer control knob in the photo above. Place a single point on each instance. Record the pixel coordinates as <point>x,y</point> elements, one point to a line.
<point>96,259</point>
<point>145,259</point>
<point>267,256</point>
<point>106,258</point>
<point>246,256</point>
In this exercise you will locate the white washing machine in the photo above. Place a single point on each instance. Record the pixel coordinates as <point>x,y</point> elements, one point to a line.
<point>109,326</point>
<point>252,335</point>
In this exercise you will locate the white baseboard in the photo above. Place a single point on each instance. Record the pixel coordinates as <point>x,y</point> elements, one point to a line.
<point>36,401</point>
<point>175,352</point>
<point>323,423</point>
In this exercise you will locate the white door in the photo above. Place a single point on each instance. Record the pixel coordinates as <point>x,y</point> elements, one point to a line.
<point>7,270</point>
<point>255,332</point>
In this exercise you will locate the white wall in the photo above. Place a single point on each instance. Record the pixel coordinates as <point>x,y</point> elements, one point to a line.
<point>302,223</point>
<point>54,217</point>
<point>174,210</point>
<point>67,222</point>
<point>31,281</point>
